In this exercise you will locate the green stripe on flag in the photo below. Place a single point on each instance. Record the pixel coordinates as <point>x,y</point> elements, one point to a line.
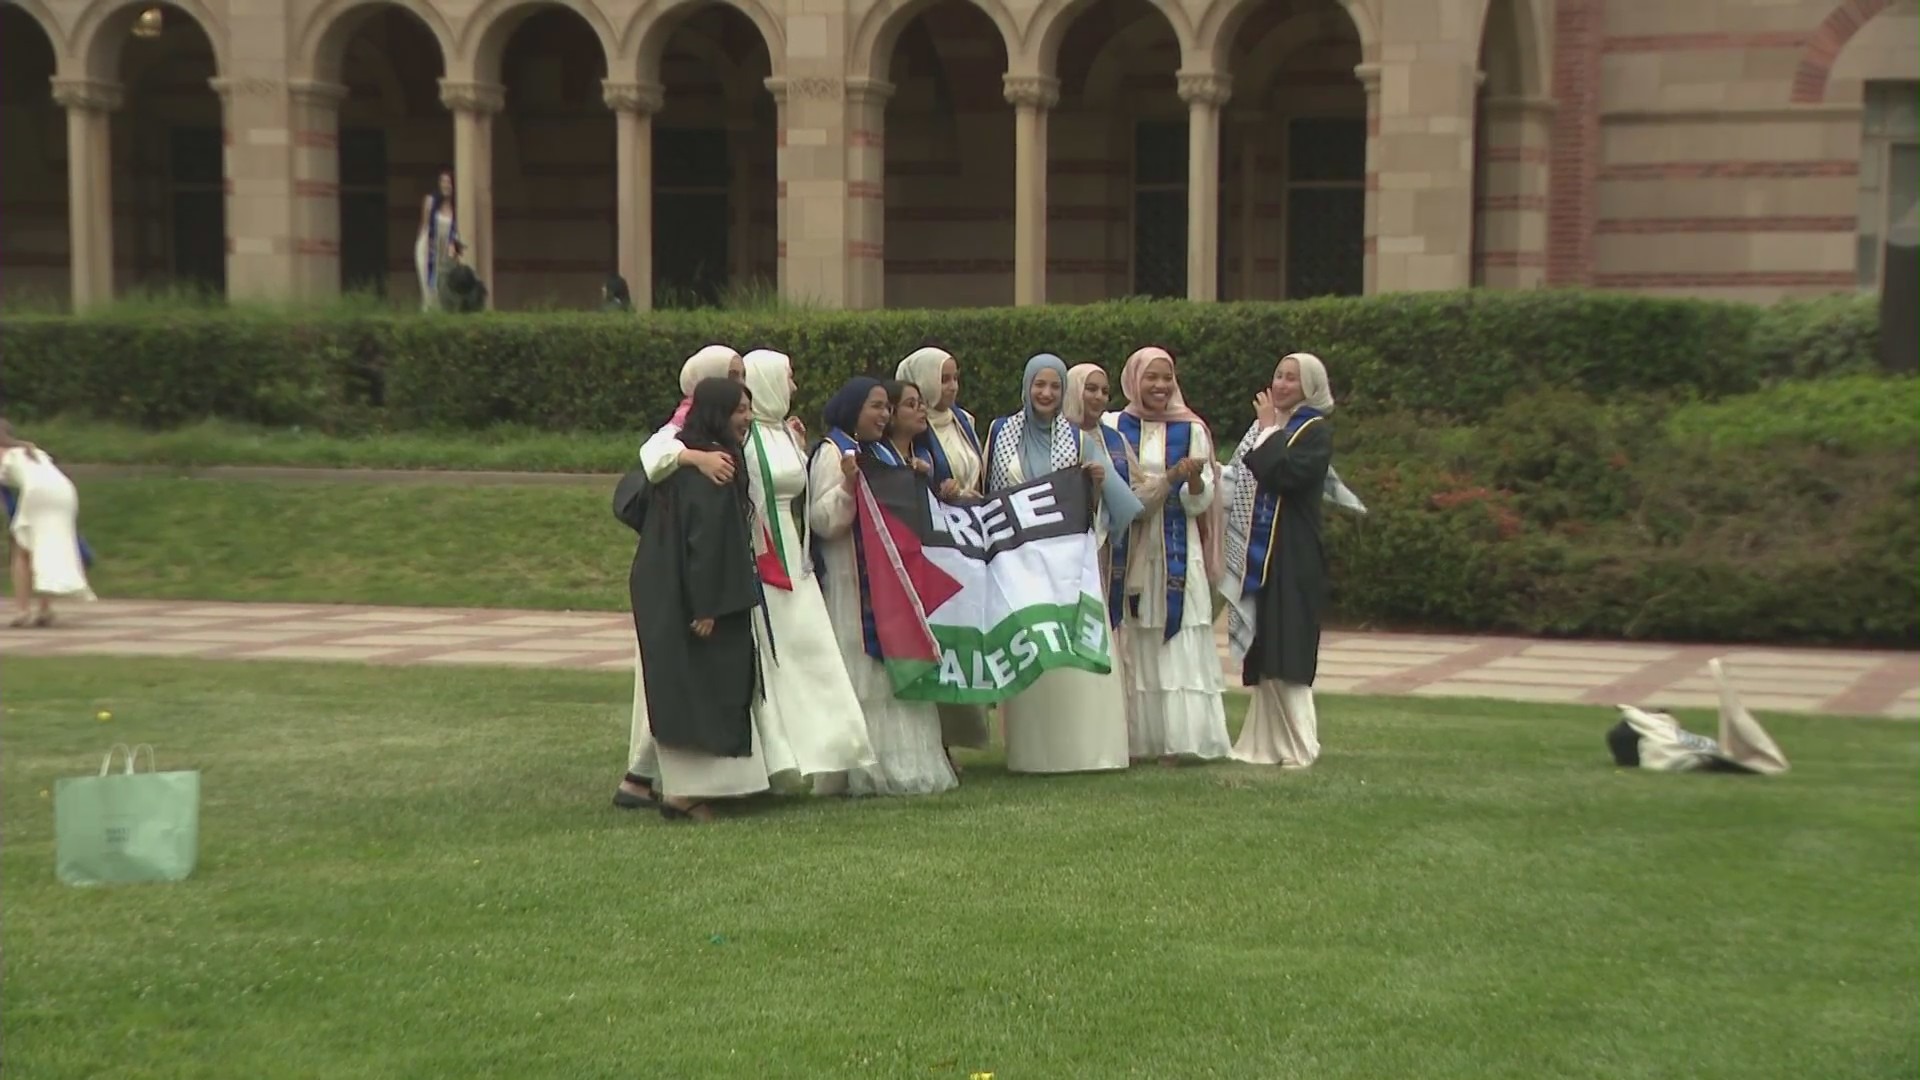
<point>985,667</point>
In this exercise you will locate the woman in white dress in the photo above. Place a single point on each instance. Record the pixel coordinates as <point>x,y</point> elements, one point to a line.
<point>439,232</point>
<point>1068,720</point>
<point>1173,665</point>
<point>905,734</point>
<point>951,445</point>
<point>660,455</point>
<point>809,718</point>
<point>44,531</point>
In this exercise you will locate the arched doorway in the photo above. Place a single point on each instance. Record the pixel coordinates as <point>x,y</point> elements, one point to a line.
<point>1512,135</point>
<point>392,142</point>
<point>715,141</point>
<point>1117,159</point>
<point>949,156</point>
<point>168,154</point>
<point>553,166</point>
<point>35,256</point>
<point>1294,169</point>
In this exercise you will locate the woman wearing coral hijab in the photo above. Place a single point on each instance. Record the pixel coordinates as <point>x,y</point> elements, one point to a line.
<point>1173,666</point>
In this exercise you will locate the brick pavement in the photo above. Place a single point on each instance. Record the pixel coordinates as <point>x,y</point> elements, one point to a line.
<point>1514,669</point>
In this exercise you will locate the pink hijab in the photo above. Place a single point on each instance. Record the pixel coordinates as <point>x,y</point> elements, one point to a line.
<point>712,362</point>
<point>1213,518</point>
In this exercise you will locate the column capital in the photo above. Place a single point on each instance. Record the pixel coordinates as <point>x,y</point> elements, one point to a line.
<point>473,97</point>
<point>90,95</point>
<point>804,87</point>
<point>315,92</point>
<point>645,98</point>
<point>863,91</point>
<point>1031,91</point>
<point>1369,76</point>
<point>246,87</point>
<point>1204,87</point>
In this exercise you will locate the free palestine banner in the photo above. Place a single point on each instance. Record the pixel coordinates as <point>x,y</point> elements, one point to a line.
<point>971,604</point>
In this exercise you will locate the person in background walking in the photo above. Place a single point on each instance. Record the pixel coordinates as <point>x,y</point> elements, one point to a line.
<point>47,560</point>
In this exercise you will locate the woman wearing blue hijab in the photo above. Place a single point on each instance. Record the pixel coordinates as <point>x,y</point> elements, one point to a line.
<point>905,734</point>
<point>1068,720</point>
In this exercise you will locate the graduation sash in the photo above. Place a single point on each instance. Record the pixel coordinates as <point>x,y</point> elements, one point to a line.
<point>770,553</point>
<point>927,446</point>
<point>1173,524</point>
<point>846,444</point>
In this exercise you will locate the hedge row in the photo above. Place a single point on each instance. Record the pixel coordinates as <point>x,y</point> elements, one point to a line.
<point>1458,355</point>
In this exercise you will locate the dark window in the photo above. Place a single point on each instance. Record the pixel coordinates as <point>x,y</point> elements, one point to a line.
<point>690,158</point>
<point>1326,206</point>
<point>363,211</point>
<point>1324,245</point>
<point>198,208</point>
<point>1160,209</point>
<point>690,230</point>
<point>1327,149</point>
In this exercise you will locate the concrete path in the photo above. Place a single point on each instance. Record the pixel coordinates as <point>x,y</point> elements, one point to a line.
<point>291,474</point>
<point>1663,676</point>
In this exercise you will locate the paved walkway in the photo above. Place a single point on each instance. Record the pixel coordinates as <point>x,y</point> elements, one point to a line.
<point>1667,676</point>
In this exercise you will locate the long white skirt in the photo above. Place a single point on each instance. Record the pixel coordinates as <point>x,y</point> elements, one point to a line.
<point>429,294</point>
<point>694,774</point>
<point>1282,728</point>
<point>46,524</point>
<point>642,754</point>
<point>809,719</point>
<point>1175,694</point>
<point>1068,721</point>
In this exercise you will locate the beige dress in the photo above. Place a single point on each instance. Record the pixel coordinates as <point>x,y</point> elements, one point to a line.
<point>1069,720</point>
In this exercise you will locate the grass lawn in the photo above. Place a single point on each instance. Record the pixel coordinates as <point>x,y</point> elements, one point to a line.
<point>531,547</point>
<point>219,442</point>
<point>415,873</point>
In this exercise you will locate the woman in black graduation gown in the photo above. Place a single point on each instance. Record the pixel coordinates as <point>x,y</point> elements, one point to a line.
<point>694,593</point>
<point>1274,548</point>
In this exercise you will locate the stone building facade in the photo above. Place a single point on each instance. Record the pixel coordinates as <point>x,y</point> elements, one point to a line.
<point>867,153</point>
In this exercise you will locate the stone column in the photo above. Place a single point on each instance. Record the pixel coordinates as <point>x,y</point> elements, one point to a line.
<point>1511,217</point>
<point>867,192</point>
<point>259,212</point>
<point>1424,219</point>
<point>474,105</point>
<point>1031,96</point>
<point>1204,92</point>
<point>1248,124</point>
<point>634,105</point>
<point>90,105</point>
<point>816,252</point>
<point>316,188</point>
<point>1369,76</point>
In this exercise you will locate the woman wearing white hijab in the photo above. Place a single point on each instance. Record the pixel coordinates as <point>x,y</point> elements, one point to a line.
<point>951,446</point>
<point>660,455</point>
<point>1068,720</point>
<point>1276,567</point>
<point>809,719</point>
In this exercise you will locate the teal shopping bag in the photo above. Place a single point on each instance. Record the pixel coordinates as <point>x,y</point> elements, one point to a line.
<point>117,828</point>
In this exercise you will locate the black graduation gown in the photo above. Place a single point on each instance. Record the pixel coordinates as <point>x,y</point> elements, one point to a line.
<point>1286,638</point>
<point>695,561</point>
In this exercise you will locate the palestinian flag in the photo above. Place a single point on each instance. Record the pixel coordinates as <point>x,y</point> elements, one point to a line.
<point>971,604</point>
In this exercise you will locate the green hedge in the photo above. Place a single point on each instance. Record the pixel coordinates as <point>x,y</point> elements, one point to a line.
<point>1459,355</point>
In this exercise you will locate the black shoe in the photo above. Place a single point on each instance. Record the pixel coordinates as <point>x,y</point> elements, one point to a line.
<point>627,800</point>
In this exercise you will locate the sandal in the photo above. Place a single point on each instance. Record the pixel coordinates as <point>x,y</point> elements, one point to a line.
<point>21,622</point>
<point>700,812</point>
<point>627,800</point>
<point>45,619</point>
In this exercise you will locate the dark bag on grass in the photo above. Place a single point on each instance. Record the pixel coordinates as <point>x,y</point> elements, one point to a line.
<point>630,498</point>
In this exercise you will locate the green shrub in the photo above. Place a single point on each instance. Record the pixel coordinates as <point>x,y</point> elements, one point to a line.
<point>1853,413</point>
<point>1457,355</point>
<point>1827,335</point>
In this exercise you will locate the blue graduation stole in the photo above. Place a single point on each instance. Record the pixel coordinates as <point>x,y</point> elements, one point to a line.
<point>1261,533</point>
<point>869,633</point>
<point>1173,523</point>
<point>927,446</point>
<point>1117,573</point>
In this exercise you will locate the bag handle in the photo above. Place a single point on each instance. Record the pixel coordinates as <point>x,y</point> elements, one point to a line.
<point>107,762</point>
<point>133,758</point>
